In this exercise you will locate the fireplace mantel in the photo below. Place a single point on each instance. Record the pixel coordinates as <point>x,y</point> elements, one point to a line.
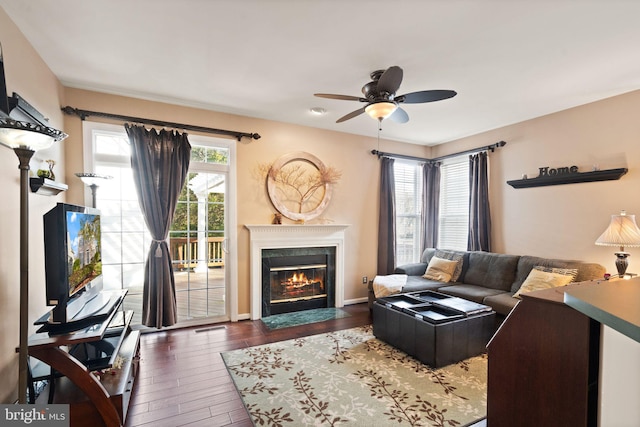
<point>270,236</point>
<point>303,229</point>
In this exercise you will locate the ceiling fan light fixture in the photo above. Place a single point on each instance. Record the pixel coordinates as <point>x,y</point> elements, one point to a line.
<point>381,110</point>
<point>318,111</point>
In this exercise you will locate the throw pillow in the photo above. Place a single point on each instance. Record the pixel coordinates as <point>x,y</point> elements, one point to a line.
<point>453,257</point>
<point>573,272</point>
<point>440,269</point>
<point>545,278</point>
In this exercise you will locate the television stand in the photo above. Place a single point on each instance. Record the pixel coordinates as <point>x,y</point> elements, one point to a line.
<point>93,400</point>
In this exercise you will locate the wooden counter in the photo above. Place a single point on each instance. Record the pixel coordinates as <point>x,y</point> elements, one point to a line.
<point>614,303</point>
<point>543,365</point>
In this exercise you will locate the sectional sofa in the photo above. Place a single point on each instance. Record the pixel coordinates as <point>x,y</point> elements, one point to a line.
<point>486,277</point>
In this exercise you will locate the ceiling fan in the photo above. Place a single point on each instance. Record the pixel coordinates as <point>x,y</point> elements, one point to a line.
<point>381,99</point>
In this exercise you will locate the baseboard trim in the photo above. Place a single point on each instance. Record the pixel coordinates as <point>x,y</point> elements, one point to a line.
<point>356,301</point>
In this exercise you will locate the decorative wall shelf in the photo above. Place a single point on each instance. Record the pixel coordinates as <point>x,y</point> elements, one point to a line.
<point>46,186</point>
<point>569,178</point>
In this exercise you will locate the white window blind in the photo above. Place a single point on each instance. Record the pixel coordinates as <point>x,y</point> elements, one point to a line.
<point>408,191</point>
<point>454,204</point>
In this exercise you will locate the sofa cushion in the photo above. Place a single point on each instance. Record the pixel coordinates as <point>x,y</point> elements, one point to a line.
<point>453,256</point>
<point>427,254</point>
<point>586,271</point>
<point>491,270</point>
<point>471,292</point>
<point>414,269</point>
<point>502,303</point>
<point>418,283</point>
<point>571,272</point>
<point>440,269</point>
<point>544,278</point>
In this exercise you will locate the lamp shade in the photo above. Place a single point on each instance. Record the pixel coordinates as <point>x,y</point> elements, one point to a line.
<point>622,231</point>
<point>19,134</point>
<point>90,178</point>
<point>381,110</point>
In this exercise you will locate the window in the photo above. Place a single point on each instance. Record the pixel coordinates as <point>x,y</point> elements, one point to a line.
<point>198,237</point>
<point>453,229</point>
<point>125,238</point>
<point>408,211</point>
<point>198,234</point>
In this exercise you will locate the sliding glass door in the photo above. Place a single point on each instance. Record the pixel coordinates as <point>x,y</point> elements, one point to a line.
<point>201,237</point>
<point>198,240</point>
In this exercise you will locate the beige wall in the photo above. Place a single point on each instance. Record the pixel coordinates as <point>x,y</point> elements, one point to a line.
<point>27,75</point>
<point>563,221</point>
<point>355,197</point>
<point>556,221</point>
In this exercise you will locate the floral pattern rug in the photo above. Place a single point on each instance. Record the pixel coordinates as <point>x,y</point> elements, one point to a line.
<point>351,378</point>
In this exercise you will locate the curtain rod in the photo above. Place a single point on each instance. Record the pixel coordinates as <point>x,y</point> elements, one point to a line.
<point>491,148</point>
<point>83,114</point>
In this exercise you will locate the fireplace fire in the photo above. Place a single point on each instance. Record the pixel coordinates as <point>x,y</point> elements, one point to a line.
<point>298,279</point>
<point>295,282</point>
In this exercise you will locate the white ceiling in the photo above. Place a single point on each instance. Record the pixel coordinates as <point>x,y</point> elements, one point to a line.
<point>509,61</point>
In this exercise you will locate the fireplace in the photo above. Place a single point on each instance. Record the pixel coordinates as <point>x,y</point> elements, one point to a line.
<point>321,243</point>
<point>296,279</point>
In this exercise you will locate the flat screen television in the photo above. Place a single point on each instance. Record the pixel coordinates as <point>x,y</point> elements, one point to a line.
<point>73,261</point>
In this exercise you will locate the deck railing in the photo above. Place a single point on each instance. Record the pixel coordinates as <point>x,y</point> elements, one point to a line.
<point>184,252</point>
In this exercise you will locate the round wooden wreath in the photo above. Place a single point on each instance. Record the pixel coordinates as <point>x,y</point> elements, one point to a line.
<point>299,185</point>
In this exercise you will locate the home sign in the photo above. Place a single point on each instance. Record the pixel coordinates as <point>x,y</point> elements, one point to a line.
<point>565,170</point>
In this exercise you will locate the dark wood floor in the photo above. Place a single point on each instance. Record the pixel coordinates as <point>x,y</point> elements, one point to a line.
<point>182,379</point>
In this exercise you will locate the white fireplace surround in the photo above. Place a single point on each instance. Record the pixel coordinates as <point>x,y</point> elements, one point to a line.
<point>293,236</point>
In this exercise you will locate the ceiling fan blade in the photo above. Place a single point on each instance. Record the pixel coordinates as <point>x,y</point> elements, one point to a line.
<point>351,115</point>
<point>425,96</point>
<point>399,116</point>
<point>390,80</point>
<point>342,97</point>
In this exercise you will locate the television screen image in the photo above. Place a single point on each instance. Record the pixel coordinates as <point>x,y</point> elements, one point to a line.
<point>73,261</point>
<point>84,256</point>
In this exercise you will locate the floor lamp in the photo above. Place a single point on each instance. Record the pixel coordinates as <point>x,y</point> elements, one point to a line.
<point>92,180</point>
<point>25,138</point>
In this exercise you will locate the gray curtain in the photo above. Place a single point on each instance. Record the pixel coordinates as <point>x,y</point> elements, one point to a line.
<point>430,205</point>
<point>387,219</point>
<point>479,212</point>
<point>160,161</point>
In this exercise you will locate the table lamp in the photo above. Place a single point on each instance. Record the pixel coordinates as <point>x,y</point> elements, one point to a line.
<point>622,231</point>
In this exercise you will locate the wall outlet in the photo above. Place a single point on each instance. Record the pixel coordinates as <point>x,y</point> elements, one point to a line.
<point>365,279</point>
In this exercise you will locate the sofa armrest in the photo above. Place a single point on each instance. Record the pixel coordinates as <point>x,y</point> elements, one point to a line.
<point>416,269</point>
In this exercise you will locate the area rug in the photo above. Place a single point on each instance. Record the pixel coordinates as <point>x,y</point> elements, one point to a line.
<point>305,317</point>
<point>351,378</point>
